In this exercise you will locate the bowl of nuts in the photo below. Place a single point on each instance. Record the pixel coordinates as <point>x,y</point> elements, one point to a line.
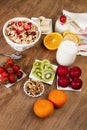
<point>33,88</point>
<point>21,33</point>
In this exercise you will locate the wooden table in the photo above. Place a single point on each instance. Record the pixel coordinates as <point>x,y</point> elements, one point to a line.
<point>16,108</point>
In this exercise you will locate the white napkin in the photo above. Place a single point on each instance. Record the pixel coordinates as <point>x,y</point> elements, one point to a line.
<point>81,20</point>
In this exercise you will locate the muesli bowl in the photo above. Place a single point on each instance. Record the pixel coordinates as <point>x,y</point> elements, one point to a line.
<point>21,33</point>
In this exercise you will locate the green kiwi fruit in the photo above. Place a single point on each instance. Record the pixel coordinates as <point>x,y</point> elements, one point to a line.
<point>37,74</point>
<point>43,70</point>
<point>48,75</point>
<point>37,63</point>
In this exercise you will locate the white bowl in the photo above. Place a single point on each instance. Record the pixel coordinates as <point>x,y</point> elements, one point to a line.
<point>16,46</point>
<point>28,93</point>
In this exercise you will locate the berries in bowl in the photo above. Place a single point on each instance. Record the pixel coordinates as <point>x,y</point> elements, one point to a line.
<point>21,33</point>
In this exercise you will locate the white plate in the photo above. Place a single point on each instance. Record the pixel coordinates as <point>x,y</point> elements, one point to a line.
<point>9,84</point>
<point>65,88</point>
<point>50,26</point>
<point>34,78</point>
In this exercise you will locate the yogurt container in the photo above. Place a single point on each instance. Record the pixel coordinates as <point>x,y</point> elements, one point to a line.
<point>59,27</point>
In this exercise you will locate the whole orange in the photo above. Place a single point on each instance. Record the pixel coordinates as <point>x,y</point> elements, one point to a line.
<point>57,97</point>
<point>43,108</point>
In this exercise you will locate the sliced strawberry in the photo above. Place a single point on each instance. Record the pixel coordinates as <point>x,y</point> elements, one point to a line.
<point>19,23</point>
<point>10,61</point>
<point>16,68</point>
<point>19,74</point>
<point>10,70</point>
<point>20,36</point>
<point>4,80</point>
<point>13,78</point>
<point>1,69</point>
<point>29,23</point>
<point>27,27</point>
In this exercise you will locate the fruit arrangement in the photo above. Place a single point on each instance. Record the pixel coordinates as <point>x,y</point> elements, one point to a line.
<point>43,71</point>
<point>45,107</point>
<point>10,72</point>
<point>69,77</point>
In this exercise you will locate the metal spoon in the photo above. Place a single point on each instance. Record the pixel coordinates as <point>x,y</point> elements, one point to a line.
<point>13,56</point>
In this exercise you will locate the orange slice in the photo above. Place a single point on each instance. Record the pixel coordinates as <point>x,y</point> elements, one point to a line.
<point>52,41</point>
<point>71,36</point>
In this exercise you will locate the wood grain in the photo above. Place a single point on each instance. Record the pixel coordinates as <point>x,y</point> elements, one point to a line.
<point>16,108</point>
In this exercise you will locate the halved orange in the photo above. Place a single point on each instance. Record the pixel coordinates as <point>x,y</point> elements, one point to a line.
<point>52,41</point>
<point>71,36</point>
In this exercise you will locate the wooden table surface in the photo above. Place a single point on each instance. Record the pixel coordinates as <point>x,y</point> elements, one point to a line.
<point>16,108</point>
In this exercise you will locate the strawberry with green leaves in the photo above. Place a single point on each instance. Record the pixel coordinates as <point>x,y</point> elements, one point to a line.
<point>13,78</point>
<point>10,60</point>
<point>4,80</point>
<point>10,70</point>
<point>16,68</point>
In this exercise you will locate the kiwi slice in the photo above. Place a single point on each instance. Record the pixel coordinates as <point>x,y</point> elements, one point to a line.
<point>35,69</point>
<point>48,75</point>
<point>37,74</point>
<point>37,63</point>
<point>45,64</point>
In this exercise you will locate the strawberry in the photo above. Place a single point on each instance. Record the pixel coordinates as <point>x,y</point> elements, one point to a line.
<point>29,23</point>
<point>16,68</point>
<point>19,74</point>
<point>27,27</point>
<point>4,80</point>
<point>63,19</point>
<point>10,60</point>
<point>7,65</point>
<point>19,23</point>
<point>1,70</point>
<point>5,74</point>
<point>10,70</point>
<point>13,78</point>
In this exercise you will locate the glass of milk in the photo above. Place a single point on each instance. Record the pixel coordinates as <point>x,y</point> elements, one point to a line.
<point>66,53</point>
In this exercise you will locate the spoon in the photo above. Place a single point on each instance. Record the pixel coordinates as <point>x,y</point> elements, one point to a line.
<point>13,56</point>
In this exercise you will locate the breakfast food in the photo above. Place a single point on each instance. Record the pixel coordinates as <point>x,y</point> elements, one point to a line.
<point>43,108</point>
<point>63,19</point>
<point>43,70</point>
<point>22,32</point>
<point>10,72</point>
<point>52,41</point>
<point>75,72</point>
<point>69,77</point>
<point>57,97</point>
<point>61,24</point>
<point>33,88</point>
<point>71,36</point>
<point>44,24</point>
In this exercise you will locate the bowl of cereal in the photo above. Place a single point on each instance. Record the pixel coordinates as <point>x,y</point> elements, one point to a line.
<point>21,33</point>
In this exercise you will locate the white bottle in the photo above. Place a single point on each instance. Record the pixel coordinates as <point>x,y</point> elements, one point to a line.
<point>66,53</point>
<point>59,27</point>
